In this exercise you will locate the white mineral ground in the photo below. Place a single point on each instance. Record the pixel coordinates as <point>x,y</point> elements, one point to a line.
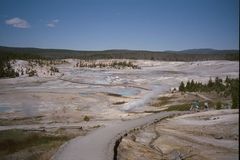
<point>107,96</point>
<point>207,135</point>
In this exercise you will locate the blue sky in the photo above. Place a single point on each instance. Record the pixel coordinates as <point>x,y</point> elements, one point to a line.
<point>120,24</point>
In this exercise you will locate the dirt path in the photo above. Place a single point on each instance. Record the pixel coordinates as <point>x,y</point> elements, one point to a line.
<point>99,144</point>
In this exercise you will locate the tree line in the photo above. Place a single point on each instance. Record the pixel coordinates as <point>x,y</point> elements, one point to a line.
<point>114,64</point>
<point>6,69</point>
<point>17,53</point>
<point>9,53</point>
<point>227,87</point>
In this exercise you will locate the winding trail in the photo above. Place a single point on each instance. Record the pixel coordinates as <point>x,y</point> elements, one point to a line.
<point>99,144</point>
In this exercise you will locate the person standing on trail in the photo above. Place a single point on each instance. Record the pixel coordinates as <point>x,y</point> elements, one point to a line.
<point>191,108</point>
<point>206,106</point>
<point>195,106</point>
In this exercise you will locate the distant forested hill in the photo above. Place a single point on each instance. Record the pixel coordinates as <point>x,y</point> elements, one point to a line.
<point>185,55</point>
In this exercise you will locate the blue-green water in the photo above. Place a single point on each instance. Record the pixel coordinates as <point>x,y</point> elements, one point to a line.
<point>123,91</point>
<point>3,108</point>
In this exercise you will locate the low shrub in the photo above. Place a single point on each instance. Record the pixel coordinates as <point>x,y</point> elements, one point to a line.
<point>219,105</point>
<point>86,118</point>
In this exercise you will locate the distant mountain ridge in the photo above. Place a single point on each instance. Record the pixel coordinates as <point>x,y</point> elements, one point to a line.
<point>184,55</point>
<point>189,51</point>
<point>205,51</point>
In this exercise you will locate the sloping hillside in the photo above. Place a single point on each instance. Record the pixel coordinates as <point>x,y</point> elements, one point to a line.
<point>187,55</point>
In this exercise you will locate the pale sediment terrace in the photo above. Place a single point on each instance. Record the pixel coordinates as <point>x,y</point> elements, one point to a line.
<point>101,93</point>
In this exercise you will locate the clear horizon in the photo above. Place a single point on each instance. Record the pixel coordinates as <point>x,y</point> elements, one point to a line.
<point>154,25</point>
<point>116,49</point>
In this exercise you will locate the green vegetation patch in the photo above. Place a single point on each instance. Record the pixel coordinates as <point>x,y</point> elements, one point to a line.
<point>86,118</point>
<point>162,101</point>
<point>15,140</point>
<point>115,64</point>
<point>179,107</point>
<point>225,88</point>
<point>6,69</point>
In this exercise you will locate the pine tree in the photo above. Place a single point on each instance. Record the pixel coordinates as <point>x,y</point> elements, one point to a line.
<point>188,86</point>
<point>235,93</point>
<point>182,87</point>
<point>210,84</point>
<point>192,86</point>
